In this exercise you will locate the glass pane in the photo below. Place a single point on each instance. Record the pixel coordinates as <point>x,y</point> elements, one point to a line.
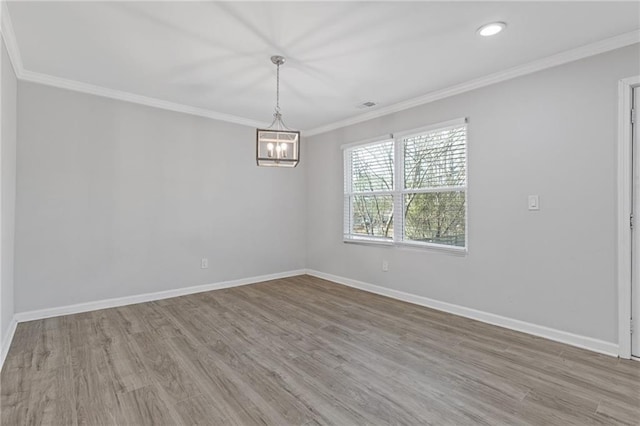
<point>435,159</point>
<point>435,217</point>
<point>277,146</point>
<point>372,167</point>
<point>373,215</point>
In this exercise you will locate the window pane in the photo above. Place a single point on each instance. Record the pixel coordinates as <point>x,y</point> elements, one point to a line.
<point>372,167</point>
<point>435,217</point>
<point>435,159</point>
<point>373,215</point>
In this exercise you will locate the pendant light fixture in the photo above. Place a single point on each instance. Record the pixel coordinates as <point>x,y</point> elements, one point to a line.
<point>277,145</point>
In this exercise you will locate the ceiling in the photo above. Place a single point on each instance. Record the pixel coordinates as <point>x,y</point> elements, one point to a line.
<point>215,55</point>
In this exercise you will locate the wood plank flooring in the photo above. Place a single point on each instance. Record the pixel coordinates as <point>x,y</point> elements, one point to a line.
<point>302,351</point>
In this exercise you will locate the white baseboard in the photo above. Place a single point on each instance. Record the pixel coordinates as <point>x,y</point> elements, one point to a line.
<point>147,297</point>
<point>6,342</point>
<point>584,342</point>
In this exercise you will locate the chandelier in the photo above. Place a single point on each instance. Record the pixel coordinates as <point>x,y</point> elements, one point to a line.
<point>277,145</point>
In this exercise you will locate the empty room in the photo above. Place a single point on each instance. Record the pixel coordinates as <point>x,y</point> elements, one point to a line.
<point>319,213</point>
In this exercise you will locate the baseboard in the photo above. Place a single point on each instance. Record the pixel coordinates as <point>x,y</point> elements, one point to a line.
<point>6,342</point>
<point>147,297</point>
<point>583,342</point>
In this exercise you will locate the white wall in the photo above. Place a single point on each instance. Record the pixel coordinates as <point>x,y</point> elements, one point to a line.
<point>8,190</point>
<point>117,199</point>
<point>552,133</point>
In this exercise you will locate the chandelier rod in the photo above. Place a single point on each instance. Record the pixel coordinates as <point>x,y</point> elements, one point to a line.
<point>278,87</point>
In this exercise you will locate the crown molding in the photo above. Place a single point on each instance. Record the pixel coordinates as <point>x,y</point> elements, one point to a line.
<point>6,29</point>
<point>571,55</point>
<point>9,37</point>
<point>91,89</point>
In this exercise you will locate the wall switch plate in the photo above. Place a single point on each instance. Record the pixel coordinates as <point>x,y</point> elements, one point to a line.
<point>385,266</point>
<point>534,202</point>
<point>204,263</point>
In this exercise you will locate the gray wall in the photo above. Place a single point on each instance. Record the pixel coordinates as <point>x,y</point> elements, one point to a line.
<point>552,133</point>
<point>8,167</point>
<point>117,199</point>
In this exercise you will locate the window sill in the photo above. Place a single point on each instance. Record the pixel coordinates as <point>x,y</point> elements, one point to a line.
<point>368,242</point>
<point>457,251</point>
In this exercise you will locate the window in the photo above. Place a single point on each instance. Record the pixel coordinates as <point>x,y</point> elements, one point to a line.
<point>422,174</point>
<point>369,191</point>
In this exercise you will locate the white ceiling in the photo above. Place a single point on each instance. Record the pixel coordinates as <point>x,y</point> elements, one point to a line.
<point>215,56</point>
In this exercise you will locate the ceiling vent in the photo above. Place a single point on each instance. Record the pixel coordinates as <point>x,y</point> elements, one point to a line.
<point>367,104</point>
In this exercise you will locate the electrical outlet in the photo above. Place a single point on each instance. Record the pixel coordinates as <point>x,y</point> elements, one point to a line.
<point>204,263</point>
<point>385,266</point>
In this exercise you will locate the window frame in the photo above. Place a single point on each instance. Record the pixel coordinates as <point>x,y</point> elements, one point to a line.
<point>399,191</point>
<point>348,192</point>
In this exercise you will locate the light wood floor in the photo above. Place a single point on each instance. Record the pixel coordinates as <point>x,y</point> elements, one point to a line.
<point>302,351</point>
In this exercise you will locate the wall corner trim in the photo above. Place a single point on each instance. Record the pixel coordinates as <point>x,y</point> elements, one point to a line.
<point>579,341</point>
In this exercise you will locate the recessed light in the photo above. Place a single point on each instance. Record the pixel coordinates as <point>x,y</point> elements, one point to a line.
<point>491,29</point>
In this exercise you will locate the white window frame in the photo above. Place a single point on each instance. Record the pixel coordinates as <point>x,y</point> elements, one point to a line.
<point>398,192</point>
<point>348,234</point>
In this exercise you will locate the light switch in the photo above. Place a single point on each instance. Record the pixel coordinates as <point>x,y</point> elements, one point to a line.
<point>534,202</point>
